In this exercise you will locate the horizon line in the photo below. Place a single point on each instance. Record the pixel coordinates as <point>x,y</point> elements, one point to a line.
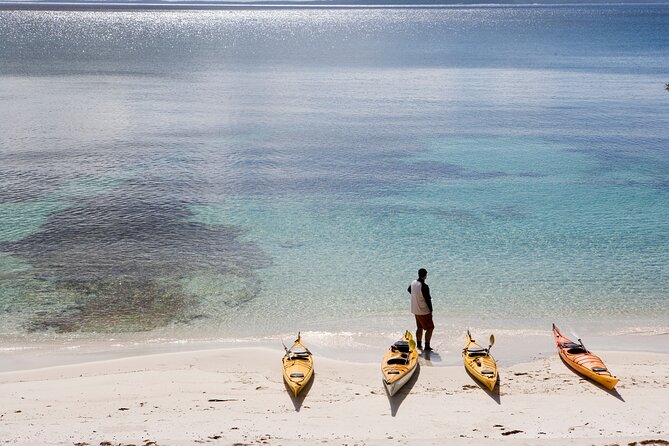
<point>305,4</point>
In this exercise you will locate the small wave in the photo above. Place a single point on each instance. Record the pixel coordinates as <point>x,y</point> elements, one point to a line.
<point>642,331</point>
<point>15,349</point>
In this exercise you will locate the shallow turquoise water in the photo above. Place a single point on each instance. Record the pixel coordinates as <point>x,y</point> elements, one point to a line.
<point>203,174</point>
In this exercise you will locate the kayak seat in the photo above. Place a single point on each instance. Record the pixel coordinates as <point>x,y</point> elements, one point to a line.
<point>577,350</point>
<point>476,351</point>
<point>402,346</point>
<point>397,360</point>
<point>300,356</point>
<point>299,351</point>
<point>297,375</point>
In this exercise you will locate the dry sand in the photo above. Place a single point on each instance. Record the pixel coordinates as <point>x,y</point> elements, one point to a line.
<point>237,396</point>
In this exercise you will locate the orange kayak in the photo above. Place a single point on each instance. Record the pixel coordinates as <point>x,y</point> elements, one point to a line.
<point>580,359</point>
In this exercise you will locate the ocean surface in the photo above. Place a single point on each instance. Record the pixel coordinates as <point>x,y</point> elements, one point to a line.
<point>177,176</point>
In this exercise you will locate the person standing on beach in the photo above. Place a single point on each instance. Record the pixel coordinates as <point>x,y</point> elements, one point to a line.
<point>421,307</point>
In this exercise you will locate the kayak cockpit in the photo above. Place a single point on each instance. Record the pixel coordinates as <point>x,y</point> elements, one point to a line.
<point>402,359</point>
<point>574,348</point>
<point>577,351</point>
<point>401,346</point>
<point>476,351</point>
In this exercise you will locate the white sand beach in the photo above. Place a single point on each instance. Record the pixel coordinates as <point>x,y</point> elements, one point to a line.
<point>236,396</point>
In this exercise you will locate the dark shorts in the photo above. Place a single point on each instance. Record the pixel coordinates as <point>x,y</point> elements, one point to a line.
<point>424,321</point>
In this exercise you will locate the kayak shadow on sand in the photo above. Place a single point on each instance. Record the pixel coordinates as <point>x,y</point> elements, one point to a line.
<point>299,399</point>
<point>397,399</point>
<point>613,392</point>
<point>494,393</point>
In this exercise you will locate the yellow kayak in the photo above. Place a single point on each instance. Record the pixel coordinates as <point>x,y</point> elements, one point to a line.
<point>479,363</point>
<point>399,363</point>
<point>298,366</point>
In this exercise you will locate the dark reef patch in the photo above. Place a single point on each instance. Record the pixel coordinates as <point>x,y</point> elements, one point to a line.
<point>110,306</point>
<point>116,262</point>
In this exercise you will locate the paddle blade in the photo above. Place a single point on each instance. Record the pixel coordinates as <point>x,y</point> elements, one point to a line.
<point>492,342</point>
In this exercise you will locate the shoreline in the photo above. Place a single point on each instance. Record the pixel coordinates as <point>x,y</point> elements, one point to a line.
<point>511,348</point>
<point>236,395</point>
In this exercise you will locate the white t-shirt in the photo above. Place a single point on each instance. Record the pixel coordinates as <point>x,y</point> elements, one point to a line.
<point>418,304</point>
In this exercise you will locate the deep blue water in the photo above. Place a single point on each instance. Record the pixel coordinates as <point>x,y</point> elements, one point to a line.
<point>198,174</point>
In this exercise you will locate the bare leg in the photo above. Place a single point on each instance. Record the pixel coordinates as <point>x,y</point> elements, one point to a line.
<point>428,336</point>
<point>419,336</point>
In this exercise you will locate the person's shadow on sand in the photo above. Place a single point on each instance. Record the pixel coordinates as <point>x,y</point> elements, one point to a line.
<point>429,357</point>
<point>397,399</point>
<point>299,399</point>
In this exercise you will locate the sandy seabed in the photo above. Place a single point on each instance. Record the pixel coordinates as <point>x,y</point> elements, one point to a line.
<point>237,396</point>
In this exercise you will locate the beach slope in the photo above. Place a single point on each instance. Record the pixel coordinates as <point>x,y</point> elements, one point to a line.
<point>237,396</point>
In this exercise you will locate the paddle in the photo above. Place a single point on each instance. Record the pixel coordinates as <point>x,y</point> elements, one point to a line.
<point>579,340</point>
<point>284,345</point>
<point>492,342</point>
<point>412,342</point>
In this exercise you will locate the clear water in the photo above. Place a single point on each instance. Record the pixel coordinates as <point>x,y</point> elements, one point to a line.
<point>250,173</point>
